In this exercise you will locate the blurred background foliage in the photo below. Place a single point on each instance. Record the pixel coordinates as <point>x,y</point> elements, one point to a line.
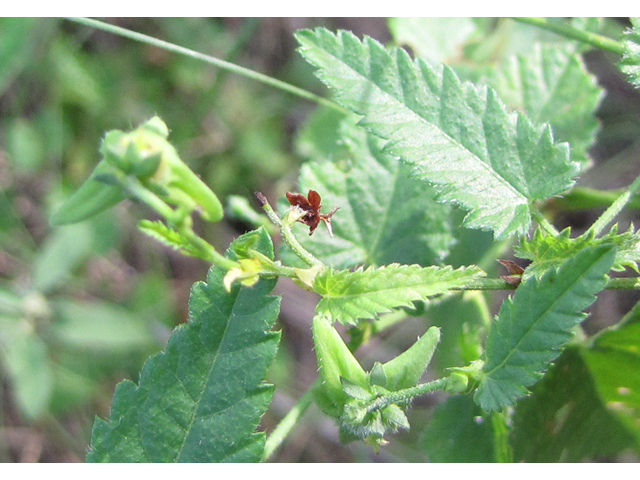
<point>83,306</point>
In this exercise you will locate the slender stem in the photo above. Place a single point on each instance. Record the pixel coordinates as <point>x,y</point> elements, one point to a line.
<point>616,207</point>
<point>586,198</point>
<point>598,41</point>
<point>299,250</point>
<point>209,253</point>
<point>287,424</point>
<point>407,394</point>
<point>543,222</point>
<point>253,75</point>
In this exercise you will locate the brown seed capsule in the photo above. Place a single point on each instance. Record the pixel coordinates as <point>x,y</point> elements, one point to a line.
<point>311,206</point>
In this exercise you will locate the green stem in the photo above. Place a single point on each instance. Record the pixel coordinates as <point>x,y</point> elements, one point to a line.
<point>586,198</point>
<point>407,394</point>
<point>209,253</point>
<point>616,207</point>
<point>543,222</point>
<point>287,424</point>
<point>598,41</point>
<point>503,450</point>
<point>171,47</point>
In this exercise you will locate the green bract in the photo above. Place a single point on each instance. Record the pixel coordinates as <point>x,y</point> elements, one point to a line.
<point>349,394</point>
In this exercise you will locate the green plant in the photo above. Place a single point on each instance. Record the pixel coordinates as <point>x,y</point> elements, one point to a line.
<point>424,166</point>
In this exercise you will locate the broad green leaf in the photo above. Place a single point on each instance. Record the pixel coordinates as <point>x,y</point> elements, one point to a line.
<point>458,433</point>
<point>385,215</point>
<point>438,40</point>
<point>455,135</point>
<point>536,322</point>
<point>551,84</point>
<point>564,419</point>
<point>100,326</point>
<point>200,400</point>
<point>62,252</point>
<point>614,363</point>
<point>24,356</point>
<point>351,295</point>
<point>630,63</point>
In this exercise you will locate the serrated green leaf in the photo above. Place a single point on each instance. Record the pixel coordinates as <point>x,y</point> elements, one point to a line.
<point>564,420</point>
<point>454,135</point>
<point>385,215</point>
<point>630,63</point>
<point>536,322</point>
<point>200,400</point>
<point>351,295</point>
<point>547,251</point>
<point>551,84</point>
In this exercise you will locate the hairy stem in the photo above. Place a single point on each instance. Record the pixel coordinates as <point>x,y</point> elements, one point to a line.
<point>406,394</point>
<point>598,41</point>
<point>543,222</point>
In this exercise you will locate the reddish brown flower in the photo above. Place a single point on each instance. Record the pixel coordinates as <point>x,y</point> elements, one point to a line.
<point>311,205</point>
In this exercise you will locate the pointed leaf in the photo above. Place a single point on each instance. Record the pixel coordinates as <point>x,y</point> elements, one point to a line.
<point>385,215</point>
<point>202,399</point>
<point>630,63</point>
<point>454,135</point>
<point>536,322</point>
<point>349,296</point>
<point>551,84</point>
